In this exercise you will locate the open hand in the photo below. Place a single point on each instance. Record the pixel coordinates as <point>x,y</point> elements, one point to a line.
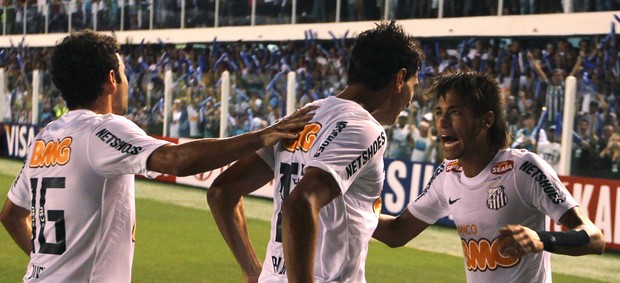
<point>288,127</point>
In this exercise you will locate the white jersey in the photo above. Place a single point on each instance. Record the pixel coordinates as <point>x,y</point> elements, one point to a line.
<point>346,141</point>
<point>517,187</point>
<point>78,183</point>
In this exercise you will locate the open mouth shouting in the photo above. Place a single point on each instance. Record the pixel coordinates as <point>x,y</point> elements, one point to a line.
<point>449,143</point>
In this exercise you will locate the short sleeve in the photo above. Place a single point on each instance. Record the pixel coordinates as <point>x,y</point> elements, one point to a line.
<point>541,188</point>
<point>19,193</point>
<point>431,204</point>
<point>357,149</point>
<point>118,146</point>
<point>268,155</point>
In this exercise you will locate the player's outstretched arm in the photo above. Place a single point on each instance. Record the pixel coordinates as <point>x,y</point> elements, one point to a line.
<point>583,237</point>
<point>300,213</point>
<point>226,204</point>
<point>398,231</point>
<point>16,221</point>
<point>207,154</point>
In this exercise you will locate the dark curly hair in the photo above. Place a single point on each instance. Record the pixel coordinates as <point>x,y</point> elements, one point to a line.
<point>481,94</point>
<point>379,53</point>
<point>81,64</point>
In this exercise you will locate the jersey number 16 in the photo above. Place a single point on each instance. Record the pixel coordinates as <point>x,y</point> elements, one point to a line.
<point>57,216</point>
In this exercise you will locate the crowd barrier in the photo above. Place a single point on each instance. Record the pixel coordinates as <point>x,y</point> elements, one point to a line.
<point>404,181</point>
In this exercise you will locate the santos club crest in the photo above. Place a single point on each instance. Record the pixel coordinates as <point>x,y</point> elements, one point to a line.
<point>497,198</point>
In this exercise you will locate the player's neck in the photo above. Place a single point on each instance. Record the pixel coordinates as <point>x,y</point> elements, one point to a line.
<point>475,162</point>
<point>362,96</point>
<point>103,105</point>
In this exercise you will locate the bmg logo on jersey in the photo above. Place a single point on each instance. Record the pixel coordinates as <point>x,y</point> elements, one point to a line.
<point>482,255</point>
<point>51,153</point>
<point>307,136</point>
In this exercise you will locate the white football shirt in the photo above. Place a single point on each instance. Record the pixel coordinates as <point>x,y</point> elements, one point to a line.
<point>346,141</point>
<point>516,187</point>
<point>78,183</point>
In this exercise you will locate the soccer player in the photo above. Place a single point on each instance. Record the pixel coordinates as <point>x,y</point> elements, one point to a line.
<point>499,198</point>
<point>72,207</point>
<point>328,183</point>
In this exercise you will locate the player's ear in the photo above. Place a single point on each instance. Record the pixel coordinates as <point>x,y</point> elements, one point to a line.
<point>488,119</point>
<point>400,79</point>
<point>110,84</point>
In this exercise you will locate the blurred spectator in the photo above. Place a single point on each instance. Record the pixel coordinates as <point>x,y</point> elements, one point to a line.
<point>424,143</point>
<point>194,117</point>
<point>175,118</point>
<point>400,139</point>
<point>47,114</point>
<point>60,108</point>
<point>142,118</point>
<point>583,145</point>
<point>527,137</point>
<point>550,150</point>
<point>611,153</point>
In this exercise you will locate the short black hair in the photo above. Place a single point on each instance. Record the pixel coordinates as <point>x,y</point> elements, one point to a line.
<point>81,64</point>
<point>481,93</point>
<point>379,53</point>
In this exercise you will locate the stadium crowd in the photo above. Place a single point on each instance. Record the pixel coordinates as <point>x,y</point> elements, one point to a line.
<point>45,16</point>
<point>531,72</point>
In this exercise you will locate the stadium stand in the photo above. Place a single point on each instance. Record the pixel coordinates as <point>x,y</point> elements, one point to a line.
<point>524,60</point>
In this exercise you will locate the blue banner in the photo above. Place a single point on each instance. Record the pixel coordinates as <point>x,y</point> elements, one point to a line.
<point>16,138</point>
<point>404,181</point>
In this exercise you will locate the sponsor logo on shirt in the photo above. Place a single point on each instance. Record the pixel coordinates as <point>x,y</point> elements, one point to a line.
<point>337,129</point>
<point>307,136</point>
<point>502,167</point>
<point>279,267</point>
<point>51,153</point>
<point>541,178</point>
<point>454,166</point>
<point>116,143</point>
<point>469,229</point>
<point>366,155</point>
<point>482,255</point>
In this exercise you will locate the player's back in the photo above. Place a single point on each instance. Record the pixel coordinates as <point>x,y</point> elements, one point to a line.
<point>83,211</point>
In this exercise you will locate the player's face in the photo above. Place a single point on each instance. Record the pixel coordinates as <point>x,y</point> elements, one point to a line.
<point>460,134</point>
<point>119,105</point>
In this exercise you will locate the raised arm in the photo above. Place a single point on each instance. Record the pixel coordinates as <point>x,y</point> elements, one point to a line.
<point>582,238</point>
<point>207,154</point>
<point>537,68</point>
<point>226,204</point>
<point>398,231</point>
<point>300,212</point>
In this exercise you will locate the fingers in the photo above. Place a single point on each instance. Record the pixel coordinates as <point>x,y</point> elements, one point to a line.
<point>517,240</point>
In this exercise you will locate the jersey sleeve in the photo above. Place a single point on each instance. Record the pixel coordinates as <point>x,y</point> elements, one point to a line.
<point>19,193</point>
<point>118,146</point>
<point>355,150</point>
<point>268,155</point>
<point>540,187</point>
<point>431,204</point>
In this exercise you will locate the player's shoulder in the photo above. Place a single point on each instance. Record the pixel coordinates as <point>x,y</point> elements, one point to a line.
<point>113,121</point>
<point>522,158</point>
